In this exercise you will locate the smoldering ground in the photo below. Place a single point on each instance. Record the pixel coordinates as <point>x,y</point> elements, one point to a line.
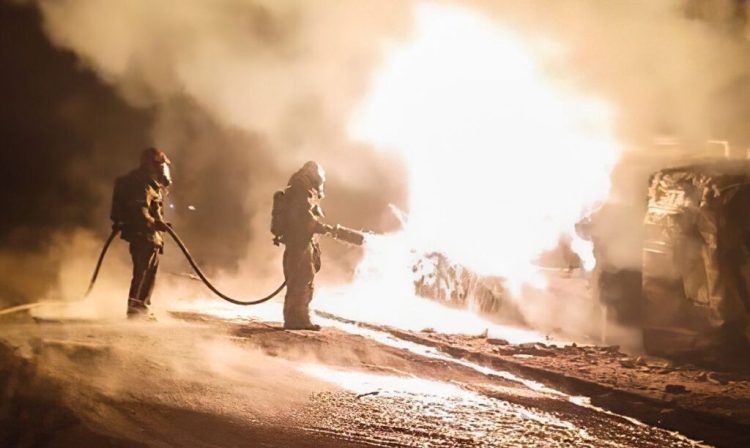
<point>240,93</point>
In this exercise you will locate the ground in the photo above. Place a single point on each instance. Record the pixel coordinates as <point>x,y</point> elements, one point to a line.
<point>201,378</point>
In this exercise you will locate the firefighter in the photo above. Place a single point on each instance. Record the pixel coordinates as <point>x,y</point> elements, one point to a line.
<point>302,253</point>
<point>137,212</point>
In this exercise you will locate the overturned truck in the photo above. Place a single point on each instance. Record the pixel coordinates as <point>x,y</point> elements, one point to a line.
<point>696,264</point>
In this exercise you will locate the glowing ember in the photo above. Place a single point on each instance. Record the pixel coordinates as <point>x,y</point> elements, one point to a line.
<point>502,161</point>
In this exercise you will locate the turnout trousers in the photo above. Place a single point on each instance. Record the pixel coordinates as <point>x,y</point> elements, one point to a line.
<point>301,262</point>
<point>145,256</point>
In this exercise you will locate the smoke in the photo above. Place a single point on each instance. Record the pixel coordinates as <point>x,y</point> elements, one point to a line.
<point>240,93</point>
<point>673,70</point>
<point>665,65</point>
<point>244,93</point>
<point>267,85</point>
<point>265,77</point>
<point>655,81</point>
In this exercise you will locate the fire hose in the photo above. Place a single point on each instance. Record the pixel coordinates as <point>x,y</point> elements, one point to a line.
<point>193,264</point>
<point>206,281</point>
<point>338,232</point>
<point>111,237</point>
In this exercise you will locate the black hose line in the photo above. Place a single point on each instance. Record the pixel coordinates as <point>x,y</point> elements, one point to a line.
<point>189,257</point>
<point>207,282</point>
<point>101,259</point>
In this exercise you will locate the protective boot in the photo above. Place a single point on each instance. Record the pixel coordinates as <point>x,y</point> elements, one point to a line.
<point>297,311</point>
<point>310,326</point>
<point>138,310</point>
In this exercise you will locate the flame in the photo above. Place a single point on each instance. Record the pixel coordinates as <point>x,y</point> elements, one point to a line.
<point>383,293</point>
<point>502,160</point>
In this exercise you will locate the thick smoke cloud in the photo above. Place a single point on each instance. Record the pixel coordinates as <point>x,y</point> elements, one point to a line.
<point>243,93</point>
<point>240,93</point>
<point>669,66</point>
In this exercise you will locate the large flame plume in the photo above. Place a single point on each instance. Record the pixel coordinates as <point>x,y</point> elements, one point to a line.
<point>502,162</point>
<point>502,159</point>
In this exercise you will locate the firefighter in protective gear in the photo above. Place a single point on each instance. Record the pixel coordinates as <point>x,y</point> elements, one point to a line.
<point>137,211</point>
<point>302,252</point>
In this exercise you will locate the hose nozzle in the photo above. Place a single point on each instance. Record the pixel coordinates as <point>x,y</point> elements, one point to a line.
<point>348,235</point>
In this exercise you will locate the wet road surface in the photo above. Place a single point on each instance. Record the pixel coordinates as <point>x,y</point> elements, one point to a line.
<point>200,380</point>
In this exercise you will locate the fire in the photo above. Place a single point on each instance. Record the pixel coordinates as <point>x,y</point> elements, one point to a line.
<point>502,160</point>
